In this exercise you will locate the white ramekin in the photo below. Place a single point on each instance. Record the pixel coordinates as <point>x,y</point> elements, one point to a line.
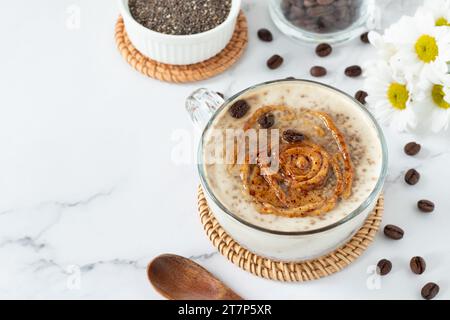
<point>179,49</point>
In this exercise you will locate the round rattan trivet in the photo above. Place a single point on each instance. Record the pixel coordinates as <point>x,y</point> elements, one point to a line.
<point>187,73</point>
<point>289,271</point>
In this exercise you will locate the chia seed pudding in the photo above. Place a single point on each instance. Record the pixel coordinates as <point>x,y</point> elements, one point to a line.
<point>180,17</point>
<point>361,139</point>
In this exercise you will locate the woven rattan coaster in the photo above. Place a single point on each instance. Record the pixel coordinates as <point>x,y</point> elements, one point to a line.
<point>188,73</point>
<point>289,271</point>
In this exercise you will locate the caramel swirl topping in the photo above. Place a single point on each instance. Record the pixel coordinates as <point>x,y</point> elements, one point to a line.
<point>310,179</point>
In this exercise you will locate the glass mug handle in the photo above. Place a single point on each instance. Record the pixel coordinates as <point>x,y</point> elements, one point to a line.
<point>201,106</point>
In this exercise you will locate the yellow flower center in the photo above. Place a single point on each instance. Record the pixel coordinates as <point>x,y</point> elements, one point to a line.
<point>438,96</point>
<point>398,95</point>
<point>442,22</point>
<point>427,49</point>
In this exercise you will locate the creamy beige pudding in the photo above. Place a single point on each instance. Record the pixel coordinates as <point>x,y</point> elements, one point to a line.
<point>329,158</point>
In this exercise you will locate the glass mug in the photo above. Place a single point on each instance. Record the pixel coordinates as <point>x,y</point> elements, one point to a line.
<point>203,106</point>
<point>323,20</point>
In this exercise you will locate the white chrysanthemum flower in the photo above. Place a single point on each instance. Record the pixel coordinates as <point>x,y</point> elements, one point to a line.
<point>390,98</point>
<point>423,50</point>
<point>440,9</point>
<point>386,44</point>
<point>384,50</point>
<point>434,102</point>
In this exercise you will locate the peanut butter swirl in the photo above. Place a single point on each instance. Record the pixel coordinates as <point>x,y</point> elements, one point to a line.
<point>311,178</point>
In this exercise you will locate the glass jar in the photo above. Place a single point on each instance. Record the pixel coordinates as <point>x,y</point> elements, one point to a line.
<point>323,20</point>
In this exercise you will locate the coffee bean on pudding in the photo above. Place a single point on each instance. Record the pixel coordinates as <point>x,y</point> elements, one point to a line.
<point>430,291</point>
<point>393,232</point>
<point>275,62</point>
<point>418,265</point>
<point>361,96</point>
<point>365,37</point>
<point>265,35</point>
<point>318,71</point>
<point>412,177</point>
<point>425,206</point>
<point>266,120</point>
<point>239,109</point>
<point>384,267</point>
<point>412,148</point>
<point>293,136</point>
<point>323,50</point>
<point>353,71</point>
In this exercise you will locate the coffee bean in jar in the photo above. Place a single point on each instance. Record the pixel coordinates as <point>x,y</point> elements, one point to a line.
<point>322,16</point>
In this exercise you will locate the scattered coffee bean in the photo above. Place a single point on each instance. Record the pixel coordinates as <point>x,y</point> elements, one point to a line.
<point>239,109</point>
<point>318,71</point>
<point>361,96</point>
<point>412,177</point>
<point>412,148</point>
<point>393,232</point>
<point>291,78</point>
<point>275,62</point>
<point>323,50</point>
<point>430,291</point>
<point>353,71</point>
<point>365,37</point>
<point>384,267</point>
<point>293,136</point>
<point>265,35</point>
<point>220,94</point>
<point>425,206</point>
<point>418,265</point>
<point>267,120</point>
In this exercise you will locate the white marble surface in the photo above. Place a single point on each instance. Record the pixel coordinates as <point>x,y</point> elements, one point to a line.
<point>89,191</point>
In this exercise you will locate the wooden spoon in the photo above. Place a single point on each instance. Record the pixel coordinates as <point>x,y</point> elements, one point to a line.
<point>178,278</point>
